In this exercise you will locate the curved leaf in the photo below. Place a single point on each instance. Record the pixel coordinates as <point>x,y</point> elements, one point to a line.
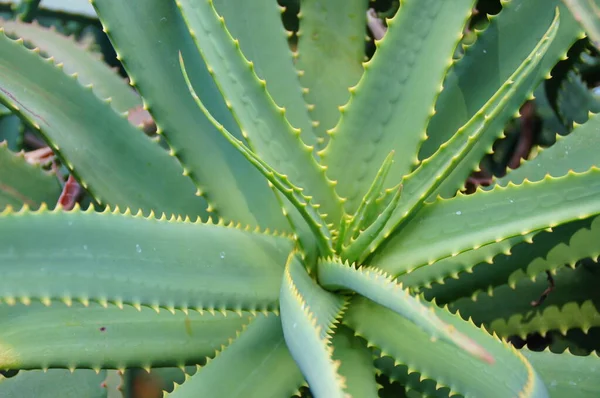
<point>308,314</point>
<point>93,139</point>
<point>255,364</point>
<point>55,383</point>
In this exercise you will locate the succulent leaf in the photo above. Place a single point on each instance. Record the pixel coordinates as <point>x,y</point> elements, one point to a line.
<point>263,124</point>
<point>381,288</point>
<point>587,13</point>
<point>38,337</point>
<point>384,114</point>
<point>85,130</point>
<point>308,315</point>
<point>150,57</point>
<point>55,383</point>
<point>464,224</point>
<point>510,375</point>
<point>258,362</point>
<point>124,259</point>
<point>266,46</point>
<point>331,49</point>
<point>24,184</point>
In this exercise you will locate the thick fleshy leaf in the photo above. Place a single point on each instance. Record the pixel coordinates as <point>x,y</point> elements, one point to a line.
<point>124,259</point>
<point>11,131</point>
<point>448,227</point>
<point>35,336</point>
<point>150,56</point>
<point>510,375</point>
<point>381,288</point>
<point>24,184</point>
<point>331,49</point>
<point>587,13</point>
<point>55,383</point>
<point>308,314</point>
<point>256,364</point>
<point>263,124</point>
<point>494,56</point>
<point>567,375</point>
<point>92,138</point>
<point>420,184</point>
<point>394,99</point>
<point>574,302</point>
<point>76,59</point>
<point>264,41</point>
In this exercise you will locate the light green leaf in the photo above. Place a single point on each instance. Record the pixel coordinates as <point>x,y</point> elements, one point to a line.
<point>55,383</point>
<point>151,59</point>
<point>356,363</point>
<point>24,184</point>
<point>449,227</point>
<point>587,13</point>
<point>124,259</point>
<point>308,314</point>
<point>91,138</point>
<point>263,124</point>
<point>509,376</point>
<point>264,41</point>
<point>34,336</point>
<point>391,105</point>
<point>381,288</point>
<point>331,49</point>
<point>76,59</point>
<point>256,364</point>
<point>567,375</point>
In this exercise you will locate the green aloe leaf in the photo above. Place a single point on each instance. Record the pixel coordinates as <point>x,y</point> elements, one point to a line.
<point>331,49</point>
<point>488,63</point>
<point>587,13</point>
<point>508,309</point>
<point>264,124</point>
<point>381,288</point>
<point>356,363</point>
<point>510,375</point>
<point>567,375</point>
<point>433,171</point>
<point>123,259</point>
<point>391,105</point>
<point>55,383</point>
<point>264,41</point>
<point>448,227</point>
<point>76,59</point>
<point>92,139</point>
<point>24,184</point>
<point>151,59</point>
<point>309,211</point>
<point>255,364</point>
<point>38,337</point>
<point>308,314</point>
<point>11,131</point>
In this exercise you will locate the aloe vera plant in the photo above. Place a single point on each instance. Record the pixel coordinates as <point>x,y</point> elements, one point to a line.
<point>305,226</point>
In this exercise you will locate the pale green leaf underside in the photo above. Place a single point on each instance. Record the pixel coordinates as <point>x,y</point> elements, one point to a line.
<point>24,184</point>
<point>391,105</point>
<point>55,383</point>
<point>381,289</point>
<point>587,13</point>
<point>150,56</point>
<point>448,227</point>
<point>567,375</point>
<point>121,259</point>
<point>93,138</point>
<point>257,364</point>
<point>331,49</point>
<point>449,365</point>
<point>308,314</point>
<point>264,124</point>
<point>90,68</point>
<point>34,336</point>
<point>263,40</point>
